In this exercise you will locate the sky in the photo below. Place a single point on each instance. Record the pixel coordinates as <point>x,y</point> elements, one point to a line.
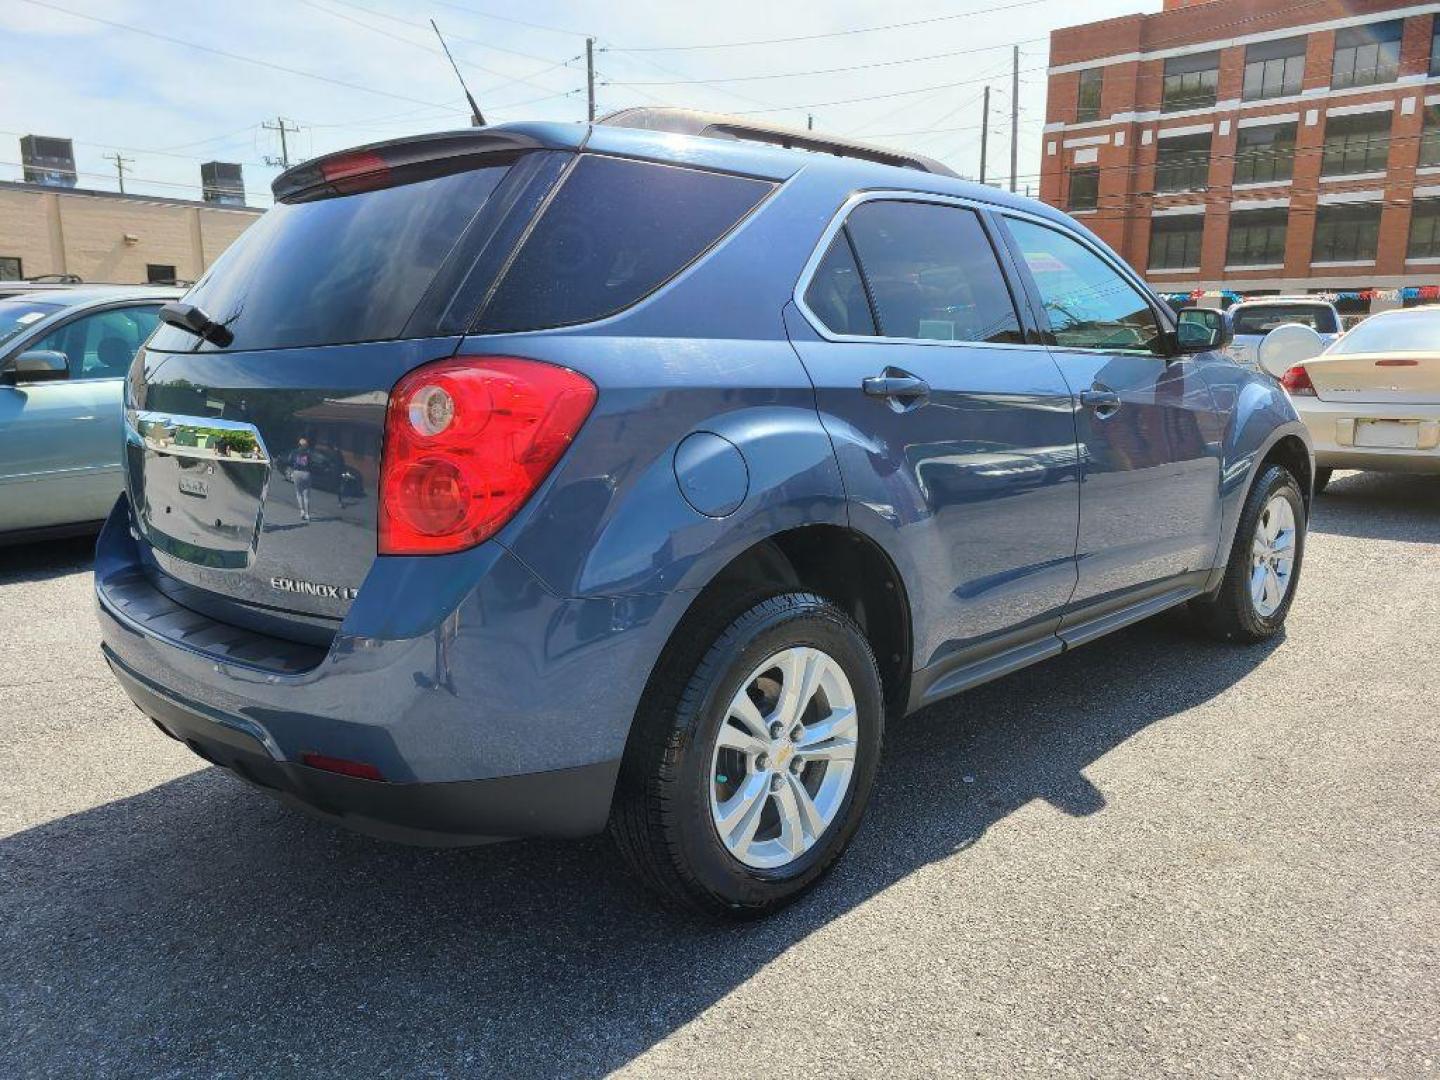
<point>171,83</point>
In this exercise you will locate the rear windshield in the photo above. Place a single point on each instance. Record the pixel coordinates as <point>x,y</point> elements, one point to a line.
<point>337,270</point>
<point>615,231</point>
<point>1417,331</point>
<point>17,316</point>
<point>1263,318</point>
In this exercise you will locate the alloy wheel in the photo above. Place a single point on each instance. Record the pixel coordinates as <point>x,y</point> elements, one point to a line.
<point>1272,556</point>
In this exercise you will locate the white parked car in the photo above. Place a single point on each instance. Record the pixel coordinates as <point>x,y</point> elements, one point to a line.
<point>1371,399</point>
<point>1253,319</point>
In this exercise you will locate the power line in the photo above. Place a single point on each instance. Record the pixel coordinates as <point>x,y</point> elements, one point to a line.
<point>835,33</point>
<point>870,97</point>
<point>513,21</point>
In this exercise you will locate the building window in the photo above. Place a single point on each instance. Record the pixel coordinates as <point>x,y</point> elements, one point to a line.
<point>1346,233</point>
<point>1367,55</point>
<point>1424,230</point>
<point>1175,242</point>
<point>1183,163</point>
<point>1435,47</point>
<point>1430,137</point>
<point>1088,98</point>
<point>10,268</point>
<point>1084,189</point>
<point>1356,144</point>
<point>159,274</point>
<point>1265,155</point>
<point>1273,69</point>
<point>1190,82</point>
<point>1257,237</point>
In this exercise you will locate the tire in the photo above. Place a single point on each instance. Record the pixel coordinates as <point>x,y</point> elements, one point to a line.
<point>674,780</point>
<point>1322,477</point>
<point>1234,613</point>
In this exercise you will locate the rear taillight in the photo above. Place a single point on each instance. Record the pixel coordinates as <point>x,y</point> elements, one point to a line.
<point>467,441</point>
<point>1297,382</point>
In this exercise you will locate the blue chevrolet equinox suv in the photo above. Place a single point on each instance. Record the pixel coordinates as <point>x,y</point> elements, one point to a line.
<point>682,454</point>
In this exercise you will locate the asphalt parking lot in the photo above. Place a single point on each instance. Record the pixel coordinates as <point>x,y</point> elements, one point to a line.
<point>1154,855</point>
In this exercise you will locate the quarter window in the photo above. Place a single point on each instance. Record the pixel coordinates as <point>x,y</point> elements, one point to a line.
<point>101,346</point>
<point>1356,144</point>
<point>932,273</point>
<point>1175,242</point>
<point>837,292</point>
<point>1087,303</point>
<point>1346,233</point>
<point>1367,55</point>
<point>1265,155</point>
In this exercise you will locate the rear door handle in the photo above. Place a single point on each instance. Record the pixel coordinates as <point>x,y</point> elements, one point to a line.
<point>895,384</point>
<point>1102,399</point>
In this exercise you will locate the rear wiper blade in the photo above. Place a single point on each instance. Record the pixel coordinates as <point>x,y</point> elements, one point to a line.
<point>192,320</point>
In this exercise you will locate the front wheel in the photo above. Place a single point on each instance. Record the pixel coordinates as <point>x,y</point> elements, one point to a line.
<point>749,775</point>
<point>1264,567</point>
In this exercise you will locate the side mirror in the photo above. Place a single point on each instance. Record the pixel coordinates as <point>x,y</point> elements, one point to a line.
<point>1286,346</point>
<point>37,365</point>
<point>1202,329</point>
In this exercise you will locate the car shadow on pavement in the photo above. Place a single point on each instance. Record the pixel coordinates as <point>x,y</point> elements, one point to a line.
<point>44,559</point>
<point>1379,506</point>
<point>200,927</point>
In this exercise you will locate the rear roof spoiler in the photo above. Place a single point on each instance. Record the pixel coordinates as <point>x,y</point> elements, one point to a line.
<point>721,126</point>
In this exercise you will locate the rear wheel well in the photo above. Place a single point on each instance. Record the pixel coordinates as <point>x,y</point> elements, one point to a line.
<point>1290,453</point>
<point>841,565</point>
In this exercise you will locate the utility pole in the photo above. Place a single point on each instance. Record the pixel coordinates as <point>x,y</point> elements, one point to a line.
<point>809,121</point>
<point>590,74</point>
<point>283,126</point>
<point>120,163</point>
<point>1014,113</point>
<point>984,133</point>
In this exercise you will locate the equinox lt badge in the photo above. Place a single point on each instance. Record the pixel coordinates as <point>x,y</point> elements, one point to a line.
<point>313,588</point>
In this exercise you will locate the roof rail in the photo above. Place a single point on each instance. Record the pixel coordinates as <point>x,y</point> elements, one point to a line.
<point>721,126</point>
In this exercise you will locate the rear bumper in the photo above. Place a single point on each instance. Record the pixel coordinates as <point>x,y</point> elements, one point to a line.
<point>1332,426</point>
<point>490,707</point>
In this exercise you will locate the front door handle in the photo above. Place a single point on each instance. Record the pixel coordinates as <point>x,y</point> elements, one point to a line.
<point>1102,399</point>
<point>895,384</point>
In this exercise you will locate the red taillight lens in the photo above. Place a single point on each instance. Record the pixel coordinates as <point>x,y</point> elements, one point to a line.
<point>361,770</point>
<point>351,173</point>
<point>467,441</point>
<point>1297,382</point>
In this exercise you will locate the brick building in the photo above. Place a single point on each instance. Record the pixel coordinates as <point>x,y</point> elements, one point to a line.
<point>1255,146</point>
<point>105,236</point>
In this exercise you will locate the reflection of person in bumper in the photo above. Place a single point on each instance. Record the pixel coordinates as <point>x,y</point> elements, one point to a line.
<point>300,474</point>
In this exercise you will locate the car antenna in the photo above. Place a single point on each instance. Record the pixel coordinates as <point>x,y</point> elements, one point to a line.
<point>478,118</point>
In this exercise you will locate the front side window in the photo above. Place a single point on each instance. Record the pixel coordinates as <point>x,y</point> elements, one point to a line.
<point>1346,233</point>
<point>1088,305</point>
<point>1087,105</point>
<point>1084,189</point>
<point>1367,55</point>
<point>1424,230</point>
<point>1257,237</point>
<point>1189,82</point>
<point>1182,163</point>
<point>1273,69</point>
<point>18,315</point>
<point>1265,154</point>
<point>1356,144</point>
<point>932,273</point>
<point>614,232</point>
<point>101,346</point>
<point>1175,242</point>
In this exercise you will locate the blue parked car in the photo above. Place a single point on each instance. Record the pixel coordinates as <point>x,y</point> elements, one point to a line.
<point>692,452</point>
<point>63,354</point>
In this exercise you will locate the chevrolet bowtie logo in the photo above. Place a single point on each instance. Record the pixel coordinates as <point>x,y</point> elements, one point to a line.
<point>313,588</point>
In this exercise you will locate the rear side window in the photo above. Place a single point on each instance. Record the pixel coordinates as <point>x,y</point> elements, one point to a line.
<point>337,270</point>
<point>614,232</point>
<point>932,273</point>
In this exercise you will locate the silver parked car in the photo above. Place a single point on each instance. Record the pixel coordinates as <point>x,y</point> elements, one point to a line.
<point>1251,320</point>
<point>63,359</point>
